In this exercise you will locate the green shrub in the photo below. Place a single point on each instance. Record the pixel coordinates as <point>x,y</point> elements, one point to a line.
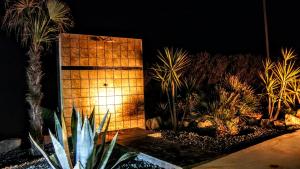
<point>85,153</point>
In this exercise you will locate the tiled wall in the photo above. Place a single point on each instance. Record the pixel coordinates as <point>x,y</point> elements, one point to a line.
<point>105,73</point>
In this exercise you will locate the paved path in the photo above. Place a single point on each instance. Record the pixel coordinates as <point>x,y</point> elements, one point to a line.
<point>282,152</point>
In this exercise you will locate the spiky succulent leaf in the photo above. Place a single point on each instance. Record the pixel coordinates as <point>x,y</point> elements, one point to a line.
<point>102,123</point>
<point>78,137</point>
<point>87,143</point>
<point>58,129</point>
<point>108,152</point>
<point>78,165</point>
<point>50,162</point>
<point>100,148</point>
<point>65,138</point>
<point>124,157</point>
<point>92,120</point>
<point>74,120</point>
<point>60,153</point>
<point>54,160</point>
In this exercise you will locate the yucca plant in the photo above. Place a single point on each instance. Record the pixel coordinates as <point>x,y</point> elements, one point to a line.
<point>281,82</point>
<point>169,71</point>
<point>271,85</point>
<point>36,24</point>
<point>86,153</point>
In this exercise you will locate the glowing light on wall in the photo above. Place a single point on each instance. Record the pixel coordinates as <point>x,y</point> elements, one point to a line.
<point>105,73</point>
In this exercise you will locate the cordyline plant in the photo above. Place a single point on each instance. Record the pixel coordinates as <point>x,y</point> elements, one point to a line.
<point>36,24</point>
<point>169,71</point>
<point>281,80</point>
<point>86,154</point>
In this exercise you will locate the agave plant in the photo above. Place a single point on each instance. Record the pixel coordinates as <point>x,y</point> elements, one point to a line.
<point>36,24</point>
<point>169,72</point>
<point>86,153</point>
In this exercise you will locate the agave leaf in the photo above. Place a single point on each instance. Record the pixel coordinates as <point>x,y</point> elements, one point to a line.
<point>92,120</point>
<point>42,152</point>
<point>65,139</point>
<point>60,153</point>
<point>100,148</point>
<point>108,152</point>
<point>58,129</point>
<point>78,165</point>
<point>124,157</point>
<point>87,143</point>
<point>53,158</point>
<point>102,123</point>
<point>78,135</point>
<point>74,122</point>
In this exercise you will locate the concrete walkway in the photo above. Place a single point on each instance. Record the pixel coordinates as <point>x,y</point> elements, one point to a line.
<point>282,152</point>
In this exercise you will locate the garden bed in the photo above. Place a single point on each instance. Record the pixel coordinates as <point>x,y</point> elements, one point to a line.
<point>182,148</point>
<point>189,148</point>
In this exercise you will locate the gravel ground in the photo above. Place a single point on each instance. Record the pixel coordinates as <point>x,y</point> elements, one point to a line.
<point>42,164</point>
<point>254,135</point>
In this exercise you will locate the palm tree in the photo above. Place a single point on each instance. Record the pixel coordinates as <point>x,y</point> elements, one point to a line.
<point>169,72</point>
<point>36,24</point>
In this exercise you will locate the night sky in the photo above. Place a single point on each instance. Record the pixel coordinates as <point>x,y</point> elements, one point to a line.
<point>224,27</point>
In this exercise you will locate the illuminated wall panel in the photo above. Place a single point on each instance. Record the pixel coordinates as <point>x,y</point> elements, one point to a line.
<point>105,73</point>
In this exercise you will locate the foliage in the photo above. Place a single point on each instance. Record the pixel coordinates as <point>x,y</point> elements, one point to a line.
<point>236,99</point>
<point>86,153</point>
<point>210,69</point>
<point>281,80</point>
<point>169,72</point>
<point>36,25</point>
<point>191,99</point>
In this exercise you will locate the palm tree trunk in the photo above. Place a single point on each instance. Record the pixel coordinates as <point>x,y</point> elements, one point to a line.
<point>34,95</point>
<point>173,107</point>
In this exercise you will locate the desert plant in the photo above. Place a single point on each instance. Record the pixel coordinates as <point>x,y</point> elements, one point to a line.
<point>271,85</point>
<point>236,99</point>
<point>191,99</point>
<point>169,73</point>
<point>281,81</point>
<point>36,25</point>
<point>86,153</point>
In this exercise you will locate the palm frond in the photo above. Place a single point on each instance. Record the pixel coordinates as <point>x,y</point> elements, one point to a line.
<point>59,13</point>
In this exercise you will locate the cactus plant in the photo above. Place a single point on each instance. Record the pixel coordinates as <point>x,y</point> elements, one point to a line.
<point>86,153</point>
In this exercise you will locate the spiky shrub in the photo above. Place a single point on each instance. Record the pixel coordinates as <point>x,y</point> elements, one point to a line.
<point>36,24</point>
<point>236,99</point>
<point>281,80</point>
<point>169,72</point>
<point>191,99</point>
<point>86,153</point>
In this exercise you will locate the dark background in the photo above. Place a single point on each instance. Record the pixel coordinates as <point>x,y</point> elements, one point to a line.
<point>225,27</point>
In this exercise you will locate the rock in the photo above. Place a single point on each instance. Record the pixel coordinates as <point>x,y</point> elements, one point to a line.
<point>153,123</point>
<point>9,144</point>
<point>255,116</point>
<point>265,123</point>
<point>298,113</point>
<point>186,123</point>
<point>279,123</point>
<point>205,124</point>
<point>291,120</point>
